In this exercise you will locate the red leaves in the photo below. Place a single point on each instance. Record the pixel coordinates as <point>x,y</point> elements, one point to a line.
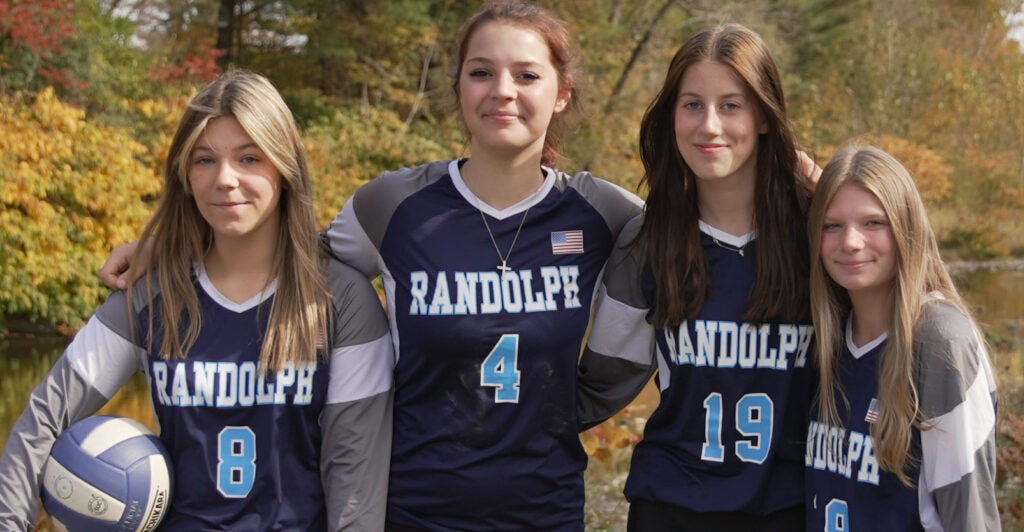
<point>40,28</point>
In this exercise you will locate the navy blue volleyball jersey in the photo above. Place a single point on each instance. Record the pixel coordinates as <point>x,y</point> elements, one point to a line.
<point>249,451</point>
<point>953,461</point>
<point>846,488</point>
<point>728,433</point>
<point>485,408</point>
<point>222,418</point>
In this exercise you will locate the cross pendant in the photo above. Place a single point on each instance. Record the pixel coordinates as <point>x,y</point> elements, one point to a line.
<point>504,267</point>
<point>741,251</point>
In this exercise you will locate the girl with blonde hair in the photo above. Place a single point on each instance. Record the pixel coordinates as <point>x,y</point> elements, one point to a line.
<point>269,364</point>
<point>902,436</point>
<point>489,265</point>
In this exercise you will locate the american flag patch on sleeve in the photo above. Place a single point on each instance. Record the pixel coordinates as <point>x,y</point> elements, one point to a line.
<point>567,242</point>
<point>872,415</point>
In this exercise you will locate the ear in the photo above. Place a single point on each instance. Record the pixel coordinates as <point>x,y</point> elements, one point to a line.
<point>762,126</point>
<point>564,95</point>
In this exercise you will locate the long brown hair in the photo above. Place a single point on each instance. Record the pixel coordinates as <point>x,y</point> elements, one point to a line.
<point>919,271</point>
<point>670,232</point>
<point>563,57</point>
<point>180,236</point>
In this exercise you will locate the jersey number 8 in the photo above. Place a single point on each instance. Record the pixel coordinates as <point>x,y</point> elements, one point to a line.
<point>236,461</point>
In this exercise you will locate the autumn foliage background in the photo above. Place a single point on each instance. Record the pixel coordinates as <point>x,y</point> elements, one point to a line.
<point>90,91</point>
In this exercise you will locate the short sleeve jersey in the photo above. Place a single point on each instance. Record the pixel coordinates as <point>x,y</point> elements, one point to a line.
<point>485,408</point>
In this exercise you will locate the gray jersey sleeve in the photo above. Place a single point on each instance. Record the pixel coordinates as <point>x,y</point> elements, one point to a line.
<point>356,233</point>
<point>615,204</point>
<point>356,422</point>
<point>958,397</point>
<point>618,359</point>
<point>97,362</point>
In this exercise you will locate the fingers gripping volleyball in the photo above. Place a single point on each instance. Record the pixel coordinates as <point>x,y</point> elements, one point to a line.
<point>107,473</point>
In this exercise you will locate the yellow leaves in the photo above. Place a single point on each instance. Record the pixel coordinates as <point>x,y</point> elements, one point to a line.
<point>51,113</point>
<point>66,185</point>
<point>356,146</point>
<point>931,172</point>
<point>613,440</point>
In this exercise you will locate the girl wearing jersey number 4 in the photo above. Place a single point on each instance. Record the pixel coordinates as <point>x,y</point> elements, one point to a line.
<point>490,264</point>
<point>903,435</point>
<point>709,287</point>
<point>263,355</point>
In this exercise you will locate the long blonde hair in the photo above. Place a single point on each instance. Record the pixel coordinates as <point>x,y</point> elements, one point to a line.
<point>180,236</point>
<point>919,271</point>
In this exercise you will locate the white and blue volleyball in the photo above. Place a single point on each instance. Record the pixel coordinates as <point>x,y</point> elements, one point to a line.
<point>107,473</point>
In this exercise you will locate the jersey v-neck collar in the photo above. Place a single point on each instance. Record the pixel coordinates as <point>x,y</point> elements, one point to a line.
<point>526,203</point>
<point>222,300</point>
<point>858,352</point>
<point>728,238</point>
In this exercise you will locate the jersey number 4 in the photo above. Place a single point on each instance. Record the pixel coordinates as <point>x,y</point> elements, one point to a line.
<point>501,369</point>
<point>753,421</point>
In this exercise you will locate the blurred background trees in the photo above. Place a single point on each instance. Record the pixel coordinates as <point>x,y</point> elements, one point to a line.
<point>90,91</point>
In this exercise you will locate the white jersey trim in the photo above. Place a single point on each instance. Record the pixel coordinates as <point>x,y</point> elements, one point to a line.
<point>388,282</point>
<point>949,447</point>
<point>360,371</point>
<point>620,330</point>
<point>728,238</point>
<point>858,352</point>
<point>526,203</point>
<point>222,300</point>
<point>103,358</point>
<point>930,519</point>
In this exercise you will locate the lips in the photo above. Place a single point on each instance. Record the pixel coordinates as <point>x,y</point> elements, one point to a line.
<point>229,204</point>
<point>709,148</point>
<point>501,116</point>
<point>853,265</point>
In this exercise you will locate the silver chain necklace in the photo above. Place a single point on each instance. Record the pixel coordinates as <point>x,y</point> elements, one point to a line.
<point>504,260</point>
<point>729,247</point>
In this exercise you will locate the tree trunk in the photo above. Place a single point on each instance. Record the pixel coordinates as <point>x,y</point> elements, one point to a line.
<point>226,32</point>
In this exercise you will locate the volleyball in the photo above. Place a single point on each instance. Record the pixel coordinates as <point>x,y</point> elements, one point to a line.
<point>107,473</point>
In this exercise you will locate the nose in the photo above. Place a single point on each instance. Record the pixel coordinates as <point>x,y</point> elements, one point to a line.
<point>227,175</point>
<point>711,122</point>
<point>504,86</point>
<point>853,240</point>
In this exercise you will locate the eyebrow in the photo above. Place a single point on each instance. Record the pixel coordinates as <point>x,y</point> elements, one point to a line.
<point>729,95</point>
<point>488,61</point>
<point>243,147</point>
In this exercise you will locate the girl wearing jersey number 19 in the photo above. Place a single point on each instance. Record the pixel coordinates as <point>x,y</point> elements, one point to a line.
<point>709,288</point>
<point>903,434</point>
<point>264,357</point>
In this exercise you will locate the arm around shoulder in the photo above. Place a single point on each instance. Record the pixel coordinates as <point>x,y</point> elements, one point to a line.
<point>619,357</point>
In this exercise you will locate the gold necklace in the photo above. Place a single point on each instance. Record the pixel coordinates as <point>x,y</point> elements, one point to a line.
<point>504,260</point>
